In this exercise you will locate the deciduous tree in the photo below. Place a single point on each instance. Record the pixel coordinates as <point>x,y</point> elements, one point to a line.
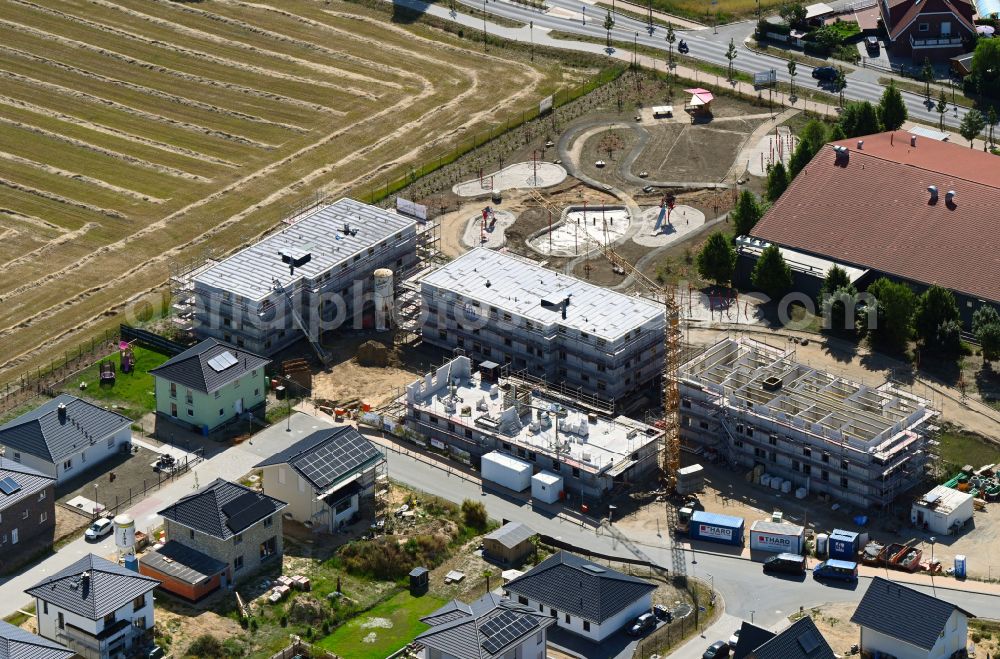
<point>777,181</point>
<point>894,306</point>
<point>935,307</point>
<point>972,124</point>
<point>747,213</point>
<point>717,259</point>
<point>771,274</point>
<point>891,109</point>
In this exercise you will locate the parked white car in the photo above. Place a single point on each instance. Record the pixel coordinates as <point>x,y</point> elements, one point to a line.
<point>98,529</point>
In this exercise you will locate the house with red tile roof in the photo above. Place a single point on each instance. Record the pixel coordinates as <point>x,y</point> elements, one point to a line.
<point>893,204</point>
<point>932,29</point>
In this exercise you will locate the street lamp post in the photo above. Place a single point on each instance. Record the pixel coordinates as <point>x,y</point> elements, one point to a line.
<point>484,25</point>
<point>933,587</point>
<point>635,50</point>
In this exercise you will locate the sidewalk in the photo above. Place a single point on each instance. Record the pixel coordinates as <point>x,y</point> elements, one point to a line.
<point>676,21</point>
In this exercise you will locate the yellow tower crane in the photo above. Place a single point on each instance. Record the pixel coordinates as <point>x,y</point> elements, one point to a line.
<point>670,455</point>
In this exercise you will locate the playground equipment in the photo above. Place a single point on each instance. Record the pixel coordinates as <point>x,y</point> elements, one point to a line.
<point>666,205</point>
<point>107,369</point>
<point>126,356</point>
<point>489,216</point>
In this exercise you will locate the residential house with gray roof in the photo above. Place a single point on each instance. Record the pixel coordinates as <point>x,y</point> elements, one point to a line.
<point>209,385</point>
<point>27,514</point>
<point>327,478</point>
<point>230,523</point>
<point>96,608</point>
<point>800,640</point>
<point>492,627</point>
<point>17,643</point>
<point>587,599</point>
<point>907,624</point>
<point>65,436</point>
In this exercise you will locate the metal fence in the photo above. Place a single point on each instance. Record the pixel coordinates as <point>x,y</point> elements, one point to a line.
<point>151,340</point>
<point>301,649</point>
<point>44,379</point>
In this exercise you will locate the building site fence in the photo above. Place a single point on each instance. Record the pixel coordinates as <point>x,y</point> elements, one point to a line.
<point>44,379</point>
<point>434,163</point>
<point>151,340</point>
<point>301,649</point>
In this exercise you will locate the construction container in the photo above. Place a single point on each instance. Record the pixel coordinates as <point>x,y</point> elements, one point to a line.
<point>844,545</point>
<point>546,487</point>
<point>690,479</point>
<point>713,527</point>
<point>506,470</point>
<point>777,537</point>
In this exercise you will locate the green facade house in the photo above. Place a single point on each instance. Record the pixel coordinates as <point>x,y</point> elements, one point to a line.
<point>209,385</point>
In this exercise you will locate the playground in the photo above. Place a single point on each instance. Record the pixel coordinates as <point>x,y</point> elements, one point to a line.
<point>522,175</point>
<point>488,228</point>
<point>658,227</point>
<point>583,229</point>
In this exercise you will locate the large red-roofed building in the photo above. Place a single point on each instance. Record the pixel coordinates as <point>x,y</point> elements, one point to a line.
<point>913,209</point>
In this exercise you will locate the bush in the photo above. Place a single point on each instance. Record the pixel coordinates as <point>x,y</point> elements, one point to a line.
<point>206,645</point>
<point>474,514</point>
<point>386,560</point>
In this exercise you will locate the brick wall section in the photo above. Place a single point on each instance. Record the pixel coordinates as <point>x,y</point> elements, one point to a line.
<point>229,550</point>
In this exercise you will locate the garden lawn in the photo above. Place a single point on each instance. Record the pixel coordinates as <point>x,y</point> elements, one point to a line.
<point>960,448</point>
<point>132,392</point>
<point>403,610</point>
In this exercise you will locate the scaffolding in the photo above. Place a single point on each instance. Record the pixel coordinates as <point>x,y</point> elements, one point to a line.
<point>181,283</point>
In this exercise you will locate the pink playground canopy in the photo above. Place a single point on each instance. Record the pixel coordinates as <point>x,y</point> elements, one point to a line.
<point>700,96</point>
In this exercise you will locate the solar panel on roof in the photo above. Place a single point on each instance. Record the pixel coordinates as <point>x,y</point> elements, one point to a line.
<point>336,459</point>
<point>9,486</point>
<point>809,640</point>
<point>223,361</point>
<point>246,509</point>
<point>504,629</point>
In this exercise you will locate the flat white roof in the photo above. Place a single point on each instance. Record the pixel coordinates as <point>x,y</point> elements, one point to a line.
<point>813,265</point>
<point>507,461</point>
<point>929,133</point>
<point>818,9</point>
<point>319,233</point>
<point>547,478</point>
<point>943,499</point>
<point>663,109</point>
<point>519,286</point>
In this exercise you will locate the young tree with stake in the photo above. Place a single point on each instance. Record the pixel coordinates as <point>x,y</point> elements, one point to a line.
<point>731,55</point>
<point>609,24</point>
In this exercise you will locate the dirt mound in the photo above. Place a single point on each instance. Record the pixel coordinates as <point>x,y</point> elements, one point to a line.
<point>305,610</point>
<point>373,353</point>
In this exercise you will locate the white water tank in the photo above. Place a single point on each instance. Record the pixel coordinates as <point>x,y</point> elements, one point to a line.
<point>383,298</point>
<point>821,540</point>
<point>125,534</point>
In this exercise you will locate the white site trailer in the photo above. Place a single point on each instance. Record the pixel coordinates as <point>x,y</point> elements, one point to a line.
<point>506,470</point>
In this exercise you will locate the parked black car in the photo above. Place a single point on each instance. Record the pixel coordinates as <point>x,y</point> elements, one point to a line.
<point>787,563</point>
<point>825,73</point>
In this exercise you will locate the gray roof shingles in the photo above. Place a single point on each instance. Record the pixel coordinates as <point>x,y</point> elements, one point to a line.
<point>564,582</point>
<point>903,613</point>
<point>461,630</point>
<point>751,638</point>
<point>191,368</point>
<point>110,587</point>
<point>43,434</point>
<point>511,534</point>
<point>17,643</point>
<point>327,456</point>
<point>800,640</point>
<point>30,480</point>
<point>204,510</point>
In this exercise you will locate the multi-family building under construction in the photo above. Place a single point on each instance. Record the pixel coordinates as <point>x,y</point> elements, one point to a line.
<point>470,412</point>
<point>755,405</point>
<point>316,273</point>
<point>552,327</point>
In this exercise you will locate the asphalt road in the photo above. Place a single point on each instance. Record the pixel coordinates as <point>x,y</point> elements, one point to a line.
<point>747,592</point>
<point>704,45</point>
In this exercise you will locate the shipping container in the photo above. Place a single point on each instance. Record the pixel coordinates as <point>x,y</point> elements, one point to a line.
<point>506,470</point>
<point>546,487</point>
<point>712,527</point>
<point>777,537</point>
<point>844,545</point>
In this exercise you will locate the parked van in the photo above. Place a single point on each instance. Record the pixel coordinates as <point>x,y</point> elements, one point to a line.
<point>836,569</point>
<point>787,563</point>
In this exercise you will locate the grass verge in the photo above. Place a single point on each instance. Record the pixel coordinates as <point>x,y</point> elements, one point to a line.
<point>383,629</point>
<point>920,88</point>
<point>959,448</point>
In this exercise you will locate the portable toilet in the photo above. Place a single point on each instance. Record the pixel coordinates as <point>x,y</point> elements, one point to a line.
<point>960,566</point>
<point>821,541</point>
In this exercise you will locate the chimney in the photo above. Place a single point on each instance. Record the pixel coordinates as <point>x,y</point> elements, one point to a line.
<point>932,189</point>
<point>861,144</point>
<point>949,197</point>
<point>913,140</point>
<point>62,412</point>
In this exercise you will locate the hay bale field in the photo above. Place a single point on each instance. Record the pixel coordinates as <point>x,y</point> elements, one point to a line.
<point>136,133</point>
